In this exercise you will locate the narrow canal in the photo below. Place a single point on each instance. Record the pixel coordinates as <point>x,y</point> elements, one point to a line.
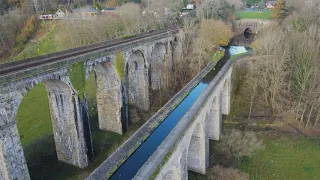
<point>132,165</point>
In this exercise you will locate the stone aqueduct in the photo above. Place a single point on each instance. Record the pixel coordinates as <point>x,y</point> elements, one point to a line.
<point>187,145</point>
<point>147,59</point>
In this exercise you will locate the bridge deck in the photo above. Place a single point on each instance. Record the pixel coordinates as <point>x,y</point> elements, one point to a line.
<point>9,71</point>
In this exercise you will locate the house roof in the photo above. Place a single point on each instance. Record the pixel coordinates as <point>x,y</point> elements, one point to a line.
<point>59,11</point>
<point>85,9</point>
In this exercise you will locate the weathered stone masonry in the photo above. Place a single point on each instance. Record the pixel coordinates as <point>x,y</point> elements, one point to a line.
<point>69,110</point>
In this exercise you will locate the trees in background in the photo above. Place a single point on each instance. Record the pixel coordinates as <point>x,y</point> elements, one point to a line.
<point>286,70</point>
<point>111,3</point>
<point>215,9</point>
<point>280,10</point>
<point>236,3</point>
<point>128,19</point>
<point>210,36</point>
<point>250,3</point>
<point>26,32</point>
<point>97,5</point>
<point>10,24</point>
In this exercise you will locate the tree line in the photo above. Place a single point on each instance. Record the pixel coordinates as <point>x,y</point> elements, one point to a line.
<point>284,71</point>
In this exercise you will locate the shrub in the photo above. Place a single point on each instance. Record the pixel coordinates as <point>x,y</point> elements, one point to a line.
<point>238,144</point>
<point>222,173</point>
<point>27,31</point>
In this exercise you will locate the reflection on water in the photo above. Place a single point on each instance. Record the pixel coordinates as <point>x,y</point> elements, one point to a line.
<point>233,50</point>
<point>132,165</point>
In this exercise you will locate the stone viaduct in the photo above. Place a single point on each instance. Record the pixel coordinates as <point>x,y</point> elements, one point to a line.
<point>146,59</point>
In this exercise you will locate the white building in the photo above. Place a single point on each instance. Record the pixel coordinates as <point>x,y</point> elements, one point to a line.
<point>60,14</point>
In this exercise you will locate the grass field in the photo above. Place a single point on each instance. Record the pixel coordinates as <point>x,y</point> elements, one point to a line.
<point>33,117</point>
<point>254,15</point>
<point>285,157</point>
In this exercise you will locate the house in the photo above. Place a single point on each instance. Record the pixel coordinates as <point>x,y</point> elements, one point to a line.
<point>60,14</point>
<point>190,7</point>
<point>85,11</point>
<point>270,4</point>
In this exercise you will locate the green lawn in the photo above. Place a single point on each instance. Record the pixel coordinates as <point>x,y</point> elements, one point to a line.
<point>285,157</point>
<point>254,15</point>
<point>33,117</point>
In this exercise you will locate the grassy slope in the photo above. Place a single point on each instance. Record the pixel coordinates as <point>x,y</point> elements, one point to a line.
<point>218,56</point>
<point>254,15</point>
<point>45,45</point>
<point>284,158</point>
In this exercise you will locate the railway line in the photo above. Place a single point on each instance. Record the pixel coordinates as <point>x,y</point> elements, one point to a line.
<point>15,66</point>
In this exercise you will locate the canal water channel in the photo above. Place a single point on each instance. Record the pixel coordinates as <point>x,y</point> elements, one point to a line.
<point>132,165</point>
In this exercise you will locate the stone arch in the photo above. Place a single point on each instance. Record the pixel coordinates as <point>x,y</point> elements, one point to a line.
<point>67,123</point>
<point>137,81</point>
<point>172,174</point>
<point>226,97</point>
<point>110,99</point>
<point>248,32</point>
<point>196,160</point>
<point>157,66</point>
<point>214,119</point>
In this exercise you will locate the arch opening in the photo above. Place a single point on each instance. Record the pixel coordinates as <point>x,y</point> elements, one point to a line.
<point>248,33</point>
<point>35,128</point>
<point>157,66</point>
<point>137,81</point>
<point>196,151</point>
<point>213,120</point>
<point>50,127</point>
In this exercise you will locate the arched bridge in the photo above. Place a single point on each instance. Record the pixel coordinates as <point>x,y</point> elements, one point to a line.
<point>145,61</point>
<point>253,25</point>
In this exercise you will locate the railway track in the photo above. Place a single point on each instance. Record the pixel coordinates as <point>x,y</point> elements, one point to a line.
<point>60,56</point>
